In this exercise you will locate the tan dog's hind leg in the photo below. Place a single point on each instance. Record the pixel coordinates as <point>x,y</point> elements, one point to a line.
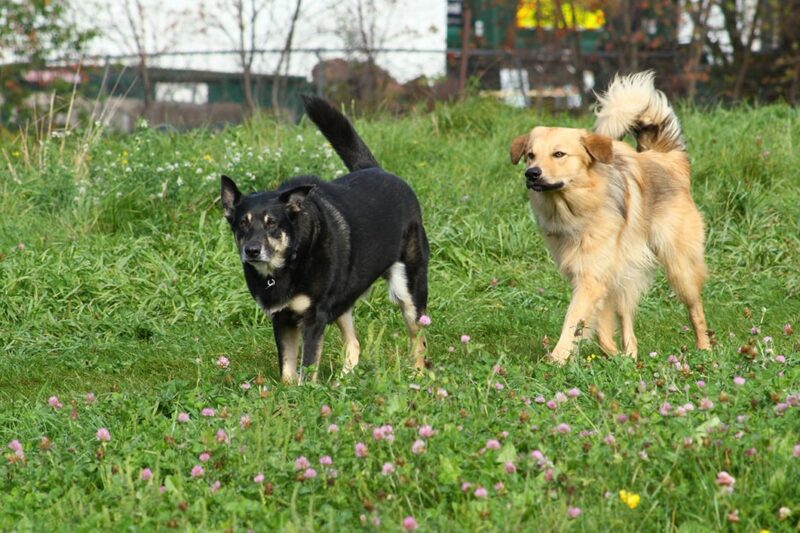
<point>686,277</point>
<point>683,260</point>
<point>698,318</point>
<point>352,348</point>
<point>629,343</point>
<point>587,297</point>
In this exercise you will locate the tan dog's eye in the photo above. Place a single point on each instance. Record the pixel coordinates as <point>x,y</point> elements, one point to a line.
<point>531,156</point>
<point>558,154</point>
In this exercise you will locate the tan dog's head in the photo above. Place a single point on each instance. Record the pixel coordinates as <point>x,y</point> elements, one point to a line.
<point>557,158</point>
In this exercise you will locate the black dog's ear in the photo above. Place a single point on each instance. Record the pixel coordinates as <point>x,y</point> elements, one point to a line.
<point>230,196</point>
<point>294,197</point>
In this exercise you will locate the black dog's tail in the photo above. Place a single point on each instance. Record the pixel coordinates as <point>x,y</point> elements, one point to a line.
<point>341,134</point>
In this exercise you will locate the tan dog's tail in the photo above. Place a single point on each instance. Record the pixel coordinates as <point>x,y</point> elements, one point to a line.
<point>633,105</point>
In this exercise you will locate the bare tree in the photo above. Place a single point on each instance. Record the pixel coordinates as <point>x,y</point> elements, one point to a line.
<point>367,26</point>
<point>575,44</point>
<point>747,49</point>
<point>699,11</point>
<point>245,35</point>
<point>361,34</point>
<point>135,15</point>
<point>146,29</point>
<point>630,54</point>
<point>282,68</point>
<point>789,39</point>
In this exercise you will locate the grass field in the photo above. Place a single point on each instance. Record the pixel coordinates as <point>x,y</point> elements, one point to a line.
<point>120,290</point>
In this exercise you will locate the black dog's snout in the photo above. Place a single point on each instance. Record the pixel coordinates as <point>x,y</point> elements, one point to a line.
<point>252,251</point>
<point>533,173</point>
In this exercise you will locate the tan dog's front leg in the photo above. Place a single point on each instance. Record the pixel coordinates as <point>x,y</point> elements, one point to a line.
<point>586,299</point>
<point>605,328</point>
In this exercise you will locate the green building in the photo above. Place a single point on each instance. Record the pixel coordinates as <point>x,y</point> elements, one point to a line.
<point>196,86</point>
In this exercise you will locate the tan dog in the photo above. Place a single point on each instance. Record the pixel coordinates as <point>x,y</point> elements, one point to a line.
<point>609,213</point>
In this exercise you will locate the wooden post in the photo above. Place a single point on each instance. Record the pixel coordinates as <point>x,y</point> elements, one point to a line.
<point>466,31</point>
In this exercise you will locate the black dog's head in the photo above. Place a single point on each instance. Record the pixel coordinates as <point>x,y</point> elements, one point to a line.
<point>263,223</point>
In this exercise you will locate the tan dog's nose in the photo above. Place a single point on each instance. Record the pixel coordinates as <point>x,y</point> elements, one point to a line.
<point>533,173</point>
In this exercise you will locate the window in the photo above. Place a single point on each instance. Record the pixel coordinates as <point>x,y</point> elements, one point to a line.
<point>514,86</point>
<point>185,93</point>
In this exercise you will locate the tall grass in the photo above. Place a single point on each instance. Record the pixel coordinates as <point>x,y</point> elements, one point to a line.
<point>118,276</point>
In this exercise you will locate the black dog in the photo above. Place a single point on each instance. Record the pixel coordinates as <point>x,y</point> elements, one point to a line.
<point>311,248</point>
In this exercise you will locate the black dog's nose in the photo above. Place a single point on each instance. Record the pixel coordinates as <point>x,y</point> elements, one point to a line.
<point>533,173</point>
<point>252,251</point>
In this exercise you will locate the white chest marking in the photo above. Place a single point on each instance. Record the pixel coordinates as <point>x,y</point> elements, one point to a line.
<point>298,304</point>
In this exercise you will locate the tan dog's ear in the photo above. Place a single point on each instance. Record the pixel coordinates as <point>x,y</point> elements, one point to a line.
<point>518,147</point>
<point>600,147</point>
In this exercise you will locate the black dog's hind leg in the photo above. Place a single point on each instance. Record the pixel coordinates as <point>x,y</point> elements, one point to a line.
<point>417,276</point>
<point>287,338</point>
<point>408,283</point>
<point>313,335</point>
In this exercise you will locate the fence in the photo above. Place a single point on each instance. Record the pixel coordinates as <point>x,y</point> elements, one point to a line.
<point>521,77</point>
<point>550,76</point>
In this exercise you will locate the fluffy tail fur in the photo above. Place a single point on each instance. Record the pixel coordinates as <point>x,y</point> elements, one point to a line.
<point>341,134</point>
<point>633,105</point>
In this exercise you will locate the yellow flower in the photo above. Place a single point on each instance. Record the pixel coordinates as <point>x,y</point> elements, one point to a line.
<point>208,157</point>
<point>764,531</point>
<point>15,153</point>
<point>630,499</point>
<point>633,501</point>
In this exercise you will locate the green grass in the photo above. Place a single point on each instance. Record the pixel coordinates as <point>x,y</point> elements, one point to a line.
<point>128,287</point>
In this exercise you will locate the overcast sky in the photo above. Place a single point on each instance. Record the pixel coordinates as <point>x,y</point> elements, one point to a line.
<point>196,25</point>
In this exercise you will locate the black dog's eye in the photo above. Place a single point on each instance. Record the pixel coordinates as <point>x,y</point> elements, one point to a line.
<point>243,223</point>
<point>558,154</point>
<point>269,222</point>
